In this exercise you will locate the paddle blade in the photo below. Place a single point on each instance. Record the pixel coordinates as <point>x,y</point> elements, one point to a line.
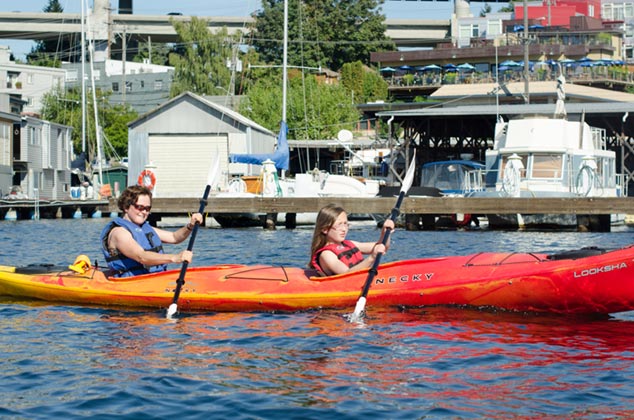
<point>214,171</point>
<point>359,309</point>
<point>171,311</point>
<point>409,177</point>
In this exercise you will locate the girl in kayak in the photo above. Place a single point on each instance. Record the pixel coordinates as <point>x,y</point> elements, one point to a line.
<point>131,246</point>
<point>332,253</point>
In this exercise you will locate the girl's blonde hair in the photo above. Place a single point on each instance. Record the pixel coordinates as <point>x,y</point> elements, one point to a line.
<point>325,220</point>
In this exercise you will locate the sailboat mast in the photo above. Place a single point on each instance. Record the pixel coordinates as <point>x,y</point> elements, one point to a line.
<point>285,61</point>
<point>83,78</point>
<point>91,50</point>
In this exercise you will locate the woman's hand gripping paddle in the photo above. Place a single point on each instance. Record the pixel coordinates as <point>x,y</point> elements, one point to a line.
<point>211,180</point>
<point>407,183</point>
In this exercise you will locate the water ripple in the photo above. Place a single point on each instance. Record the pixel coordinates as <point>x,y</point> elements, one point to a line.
<point>85,362</point>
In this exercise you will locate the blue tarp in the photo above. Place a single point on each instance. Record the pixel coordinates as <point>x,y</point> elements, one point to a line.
<point>280,157</point>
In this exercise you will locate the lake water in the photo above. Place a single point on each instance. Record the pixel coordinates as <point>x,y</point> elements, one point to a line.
<point>87,362</point>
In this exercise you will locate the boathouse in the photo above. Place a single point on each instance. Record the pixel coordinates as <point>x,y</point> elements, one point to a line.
<point>35,159</point>
<point>174,145</point>
<point>444,130</point>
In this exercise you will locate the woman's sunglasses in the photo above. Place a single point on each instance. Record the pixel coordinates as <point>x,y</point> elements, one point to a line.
<point>139,207</point>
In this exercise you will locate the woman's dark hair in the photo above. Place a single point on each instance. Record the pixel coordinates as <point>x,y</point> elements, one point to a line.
<point>130,196</point>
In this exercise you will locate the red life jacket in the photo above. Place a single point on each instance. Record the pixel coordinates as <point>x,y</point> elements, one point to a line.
<point>347,252</point>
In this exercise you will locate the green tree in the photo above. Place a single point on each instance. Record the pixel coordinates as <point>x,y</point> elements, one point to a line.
<point>160,53</point>
<point>374,87</point>
<point>314,111</point>
<point>486,9</point>
<point>65,108</point>
<point>51,52</point>
<point>510,7</point>
<point>366,84</point>
<point>200,62</point>
<point>322,33</point>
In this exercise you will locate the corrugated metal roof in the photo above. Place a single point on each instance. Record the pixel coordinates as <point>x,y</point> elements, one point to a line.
<point>549,88</point>
<point>220,108</point>
<point>539,109</point>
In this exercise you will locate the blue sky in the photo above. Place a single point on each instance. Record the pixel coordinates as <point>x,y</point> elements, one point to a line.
<point>393,9</point>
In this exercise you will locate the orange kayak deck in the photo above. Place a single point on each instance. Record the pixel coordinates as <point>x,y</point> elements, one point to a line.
<point>577,283</point>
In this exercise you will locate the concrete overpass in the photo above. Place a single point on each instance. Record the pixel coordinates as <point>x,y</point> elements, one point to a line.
<point>410,33</point>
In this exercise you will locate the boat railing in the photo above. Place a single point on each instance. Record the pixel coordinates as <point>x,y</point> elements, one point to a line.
<point>602,183</point>
<point>344,167</point>
<point>474,181</point>
<point>622,185</point>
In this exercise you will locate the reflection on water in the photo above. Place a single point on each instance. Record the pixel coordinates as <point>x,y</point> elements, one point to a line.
<point>65,361</point>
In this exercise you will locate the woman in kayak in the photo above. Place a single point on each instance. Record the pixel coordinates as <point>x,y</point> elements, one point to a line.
<point>332,253</point>
<point>131,246</point>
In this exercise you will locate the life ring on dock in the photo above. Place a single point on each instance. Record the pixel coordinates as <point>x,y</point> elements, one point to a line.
<point>464,221</point>
<point>147,179</point>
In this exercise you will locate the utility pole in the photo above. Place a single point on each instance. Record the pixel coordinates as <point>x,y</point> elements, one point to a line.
<point>123,59</point>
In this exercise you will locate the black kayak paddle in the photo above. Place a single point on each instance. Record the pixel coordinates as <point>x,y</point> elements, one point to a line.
<point>211,179</point>
<point>405,186</point>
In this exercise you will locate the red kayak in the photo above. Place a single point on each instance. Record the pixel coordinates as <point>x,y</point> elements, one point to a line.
<point>586,281</point>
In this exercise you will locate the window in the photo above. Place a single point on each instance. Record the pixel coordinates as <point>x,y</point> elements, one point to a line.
<point>71,75</point>
<point>5,144</point>
<point>128,86</point>
<point>547,166</point>
<point>465,31</point>
<point>115,86</point>
<point>34,136</point>
<point>494,27</point>
<point>522,171</point>
<point>158,85</point>
<point>617,11</point>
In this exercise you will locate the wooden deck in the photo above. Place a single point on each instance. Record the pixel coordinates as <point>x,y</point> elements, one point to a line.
<point>411,205</point>
<point>52,209</point>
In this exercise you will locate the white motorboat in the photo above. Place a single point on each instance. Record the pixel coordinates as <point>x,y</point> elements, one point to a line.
<point>542,156</point>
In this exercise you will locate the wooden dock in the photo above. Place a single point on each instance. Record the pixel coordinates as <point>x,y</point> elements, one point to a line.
<point>52,209</point>
<point>411,205</point>
<point>168,207</point>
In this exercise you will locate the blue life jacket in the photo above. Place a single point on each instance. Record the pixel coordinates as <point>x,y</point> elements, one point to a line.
<point>145,235</point>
